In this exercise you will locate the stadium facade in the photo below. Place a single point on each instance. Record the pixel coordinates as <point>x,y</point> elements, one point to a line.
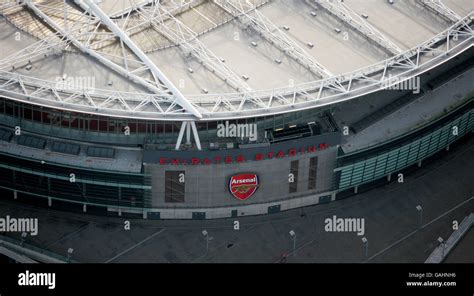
<point>99,111</point>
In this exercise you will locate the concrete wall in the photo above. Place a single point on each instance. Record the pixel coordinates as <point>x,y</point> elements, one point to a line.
<point>207,185</point>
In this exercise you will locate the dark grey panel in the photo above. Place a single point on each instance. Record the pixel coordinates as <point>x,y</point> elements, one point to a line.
<point>66,148</point>
<point>5,135</point>
<point>101,152</point>
<point>33,142</point>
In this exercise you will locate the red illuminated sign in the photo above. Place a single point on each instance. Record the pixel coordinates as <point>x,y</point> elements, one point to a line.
<point>228,159</point>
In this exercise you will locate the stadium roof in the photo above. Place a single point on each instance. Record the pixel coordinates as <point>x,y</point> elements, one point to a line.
<point>196,59</point>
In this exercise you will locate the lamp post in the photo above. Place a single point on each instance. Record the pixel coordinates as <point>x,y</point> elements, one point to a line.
<point>23,238</point>
<point>293,238</point>
<point>420,212</point>
<point>442,243</point>
<point>69,254</point>
<point>366,246</point>
<point>207,238</point>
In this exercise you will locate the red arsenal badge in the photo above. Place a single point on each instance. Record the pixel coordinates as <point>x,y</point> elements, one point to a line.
<point>243,186</point>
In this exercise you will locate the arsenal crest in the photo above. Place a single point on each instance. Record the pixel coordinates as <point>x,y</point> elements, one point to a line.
<point>243,186</point>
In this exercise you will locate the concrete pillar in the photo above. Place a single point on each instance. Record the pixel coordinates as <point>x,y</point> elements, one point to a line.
<point>145,215</point>
<point>188,133</point>
<point>389,177</point>
<point>50,201</point>
<point>356,189</point>
<point>120,212</point>
<point>15,194</point>
<point>447,148</point>
<point>419,164</point>
<point>333,196</point>
<point>84,208</point>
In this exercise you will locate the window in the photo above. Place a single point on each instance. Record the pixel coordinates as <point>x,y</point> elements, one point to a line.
<point>174,186</point>
<point>74,122</point>
<point>9,108</point>
<point>133,126</point>
<point>294,176</point>
<point>27,113</point>
<point>103,125</point>
<point>141,127</point>
<point>313,166</point>
<point>93,124</point>
<point>101,152</point>
<point>41,116</point>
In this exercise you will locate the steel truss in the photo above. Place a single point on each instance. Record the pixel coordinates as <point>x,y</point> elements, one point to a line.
<point>135,5</point>
<point>372,78</point>
<point>268,30</point>
<point>439,8</point>
<point>51,45</point>
<point>172,28</point>
<point>340,10</point>
<point>188,126</point>
<point>132,26</point>
<point>164,22</point>
<point>139,70</point>
<point>125,39</point>
<point>455,39</point>
<point>262,25</point>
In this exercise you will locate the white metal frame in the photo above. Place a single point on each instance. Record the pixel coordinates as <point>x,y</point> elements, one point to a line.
<point>188,126</point>
<point>135,5</point>
<point>355,21</point>
<point>163,106</point>
<point>438,7</point>
<point>262,25</point>
<point>161,85</point>
<point>157,73</point>
<point>172,28</point>
<point>51,45</point>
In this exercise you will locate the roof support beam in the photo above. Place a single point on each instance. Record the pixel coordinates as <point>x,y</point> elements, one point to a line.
<point>134,6</point>
<point>340,10</point>
<point>187,126</point>
<point>181,100</point>
<point>439,8</point>
<point>439,49</point>
<point>52,44</point>
<point>167,25</point>
<point>162,94</point>
<point>273,34</point>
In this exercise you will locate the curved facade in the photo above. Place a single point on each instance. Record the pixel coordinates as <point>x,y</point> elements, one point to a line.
<point>149,149</point>
<point>141,175</point>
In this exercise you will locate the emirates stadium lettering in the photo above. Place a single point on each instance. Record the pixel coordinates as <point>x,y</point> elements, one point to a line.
<point>228,159</point>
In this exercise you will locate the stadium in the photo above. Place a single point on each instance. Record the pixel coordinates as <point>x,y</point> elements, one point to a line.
<point>200,109</point>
